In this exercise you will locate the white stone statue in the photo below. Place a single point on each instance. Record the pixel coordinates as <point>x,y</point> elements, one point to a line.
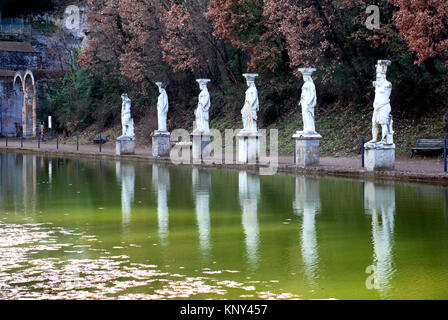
<point>308,101</point>
<point>201,113</point>
<point>126,121</point>
<point>251,105</point>
<point>162,108</point>
<point>381,114</point>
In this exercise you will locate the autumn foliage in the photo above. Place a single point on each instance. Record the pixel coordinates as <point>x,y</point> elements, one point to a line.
<point>140,42</point>
<point>424,24</point>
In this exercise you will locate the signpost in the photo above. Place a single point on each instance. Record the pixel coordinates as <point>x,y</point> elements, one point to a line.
<point>50,125</point>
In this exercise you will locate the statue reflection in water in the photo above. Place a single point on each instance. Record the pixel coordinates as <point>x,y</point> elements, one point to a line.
<point>126,175</point>
<point>29,180</point>
<point>161,183</point>
<point>201,191</point>
<point>379,202</point>
<point>249,194</point>
<point>307,204</point>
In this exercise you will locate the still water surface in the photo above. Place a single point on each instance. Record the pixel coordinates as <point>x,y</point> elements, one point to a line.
<point>73,229</point>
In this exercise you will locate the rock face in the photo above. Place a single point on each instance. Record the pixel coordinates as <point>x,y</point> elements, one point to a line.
<point>17,60</point>
<point>18,94</point>
<point>10,109</point>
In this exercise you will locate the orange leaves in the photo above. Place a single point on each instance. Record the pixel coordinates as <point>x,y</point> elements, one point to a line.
<point>178,39</point>
<point>302,27</point>
<point>243,24</point>
<point>424,24</point>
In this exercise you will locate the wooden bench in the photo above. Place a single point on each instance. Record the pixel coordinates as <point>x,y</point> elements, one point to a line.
<point>182,144</point>
<point>428,146</point>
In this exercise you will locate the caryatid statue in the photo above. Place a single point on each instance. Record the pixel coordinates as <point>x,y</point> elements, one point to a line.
<point>308,101</point>
<point>126,121</point>
<point>251,105</point>
<point>381,114</point>
<point>162,108</point>
<point>201,113</point>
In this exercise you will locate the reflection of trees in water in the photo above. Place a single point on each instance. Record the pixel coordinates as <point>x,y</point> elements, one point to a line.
<point>11,181</point>
<point>161,182</point>
<point>379,202</point>
<point>19,182</point>
<point>249,194</point>
<point>201,192</point>
<point>307,204</point>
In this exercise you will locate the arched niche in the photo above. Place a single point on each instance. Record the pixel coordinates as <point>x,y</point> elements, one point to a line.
<point>29,115</point>
<point>18,101</point>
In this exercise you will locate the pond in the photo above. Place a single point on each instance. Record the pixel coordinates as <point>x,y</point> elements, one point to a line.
<point>97,229</point>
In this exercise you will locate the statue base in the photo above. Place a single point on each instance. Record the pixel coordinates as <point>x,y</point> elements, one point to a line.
<point>379,156</point>
<point>200,141</point>
<point>125,145</point>
<point>161,144</point>
<point>248,147</point>
<point>306,149</point>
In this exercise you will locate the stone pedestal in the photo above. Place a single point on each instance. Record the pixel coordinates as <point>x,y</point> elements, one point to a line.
<point>200,142</point>
<point>248,147</point>
<point>306,149</point>
<point>379,156</point>
<point>125,145</point>
<point>161,144</point>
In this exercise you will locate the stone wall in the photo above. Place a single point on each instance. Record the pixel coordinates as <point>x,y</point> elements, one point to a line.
<point>18,61</point>
<point>10,109</point>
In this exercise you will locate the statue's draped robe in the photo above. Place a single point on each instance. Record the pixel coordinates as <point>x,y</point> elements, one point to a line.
<point>126,120</point>
<point>162,110</point>
<point>250,109</point>
<point>308,101</point>
<point>202,112</point>
<point>381,105</point>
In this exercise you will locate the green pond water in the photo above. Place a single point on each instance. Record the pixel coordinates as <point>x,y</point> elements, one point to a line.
<point>75,229</point>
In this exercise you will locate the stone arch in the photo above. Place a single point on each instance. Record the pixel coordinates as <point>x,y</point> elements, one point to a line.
<point>29,114</point>
<point>18,101</point>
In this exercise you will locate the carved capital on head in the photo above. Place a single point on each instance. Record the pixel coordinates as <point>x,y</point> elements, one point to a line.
<point>161,85</point>
<point>250,77</point>
<point>307,71</point>
<point>203,82</point>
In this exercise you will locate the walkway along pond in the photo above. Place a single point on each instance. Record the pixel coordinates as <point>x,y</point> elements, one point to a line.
<point>417,169</point>
<point>96,228</point>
